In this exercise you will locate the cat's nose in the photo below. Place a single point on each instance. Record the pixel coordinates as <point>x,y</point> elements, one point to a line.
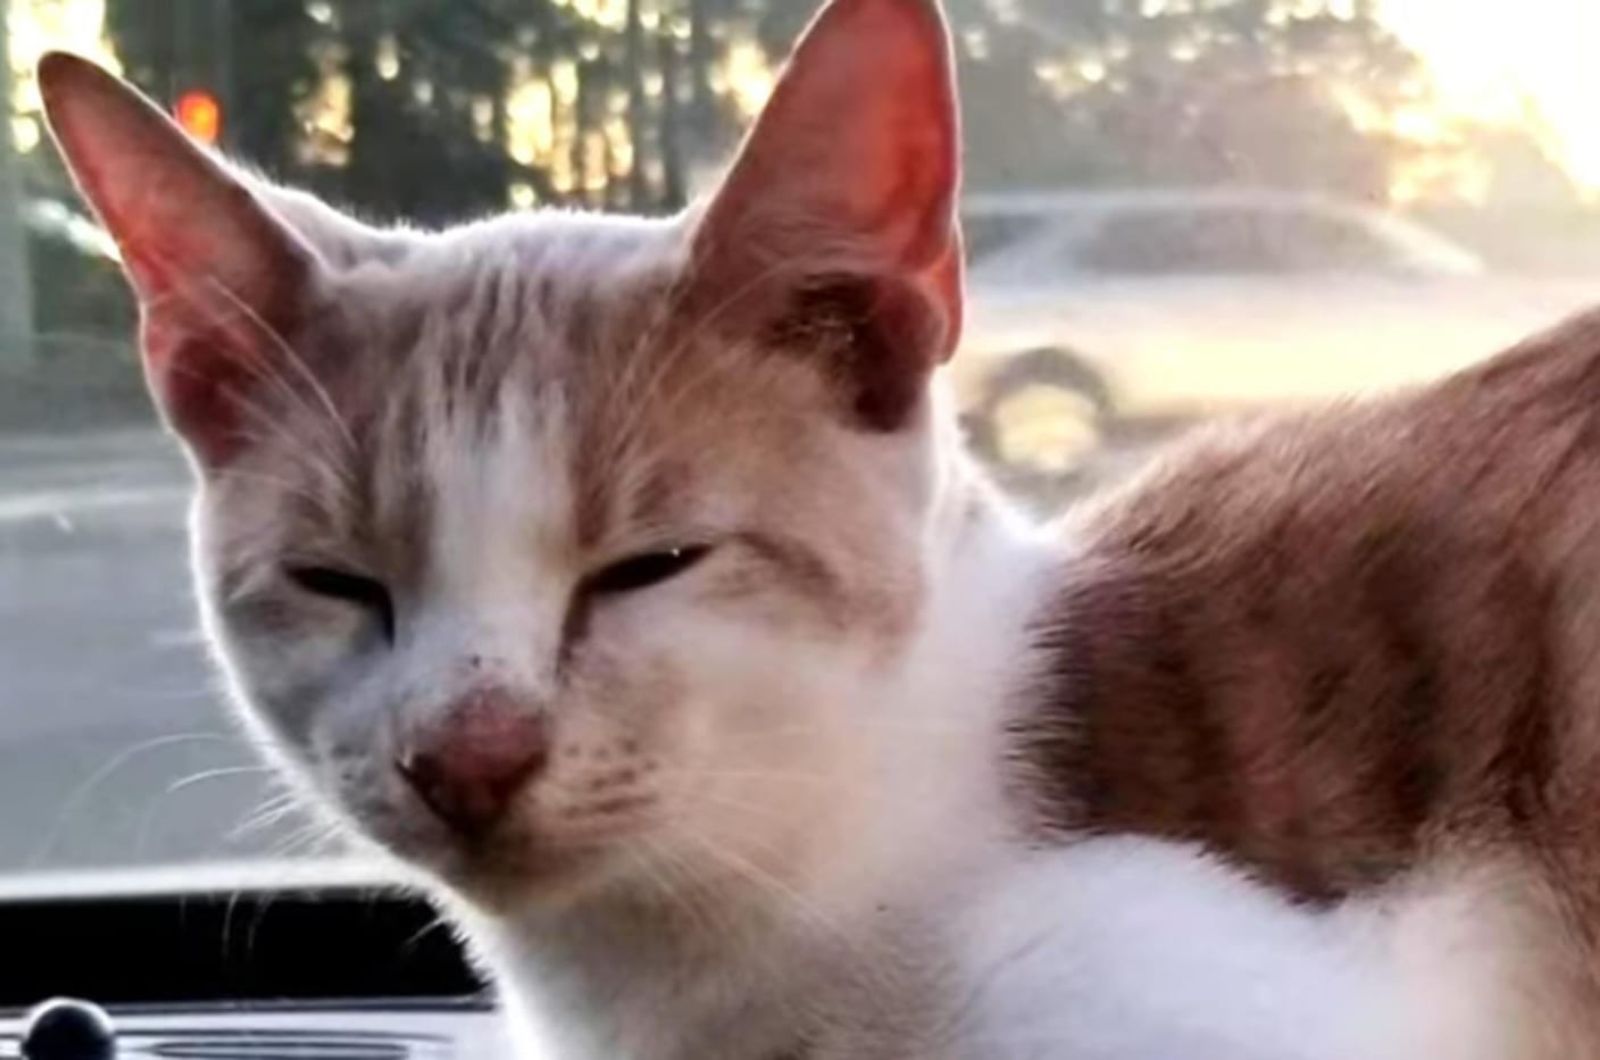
<point>470,766</point>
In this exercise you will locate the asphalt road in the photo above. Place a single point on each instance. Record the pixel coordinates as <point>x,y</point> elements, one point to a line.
<point>114,747</point>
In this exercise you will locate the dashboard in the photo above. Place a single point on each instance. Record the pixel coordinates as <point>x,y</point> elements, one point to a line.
<point>197,968</point>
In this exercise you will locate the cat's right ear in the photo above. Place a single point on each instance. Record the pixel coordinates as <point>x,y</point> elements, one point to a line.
<point>219,278</point>
<point>840,213</point>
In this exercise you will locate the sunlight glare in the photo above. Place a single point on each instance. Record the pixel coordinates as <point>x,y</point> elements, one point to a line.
<point>38,26</point>
<point>1530,64</point>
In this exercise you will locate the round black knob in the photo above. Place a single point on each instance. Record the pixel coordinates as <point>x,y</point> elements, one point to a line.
<point>68,1030</point>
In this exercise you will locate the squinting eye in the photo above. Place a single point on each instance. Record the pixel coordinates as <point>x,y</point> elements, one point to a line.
<point>367,593</point>
<point>641,572</point>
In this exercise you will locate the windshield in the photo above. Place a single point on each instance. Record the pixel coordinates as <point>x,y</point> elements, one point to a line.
<point>1176,211</point>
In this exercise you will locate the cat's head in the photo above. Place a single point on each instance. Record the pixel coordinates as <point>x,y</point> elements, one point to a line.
<point>558,548</point>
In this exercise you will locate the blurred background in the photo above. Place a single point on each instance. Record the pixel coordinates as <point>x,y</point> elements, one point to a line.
<point>1177,209</point>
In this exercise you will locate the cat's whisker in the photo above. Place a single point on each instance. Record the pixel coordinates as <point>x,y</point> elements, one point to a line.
<point>157,803</point>
<point>312,838</point>
<point>198,293</point>
<point>880,980</point>
<point>291,445</point>
<point>260,822</point>
<point>216,774</point>
<point>800,730</point>
<point>434,924</point>
<point>327,472</point>
<point>765,812</point>
<point>660,366</point>
<point>289,490</point>
<point>292,356</point>
<point>242,401</point>
<point>189,693</point>
<point>294,444</point>
<point>270,812</point>
<point>79,796</point>
<point>763,879</point>
<point>774,776</point>
<point>677,883</point>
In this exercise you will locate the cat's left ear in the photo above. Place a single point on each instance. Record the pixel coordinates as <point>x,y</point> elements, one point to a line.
<point>839,218</point>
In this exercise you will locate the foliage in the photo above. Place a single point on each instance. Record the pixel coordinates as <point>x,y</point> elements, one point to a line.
<point>1173,92</point>
<point>437,111</point>
<point>635,98</point>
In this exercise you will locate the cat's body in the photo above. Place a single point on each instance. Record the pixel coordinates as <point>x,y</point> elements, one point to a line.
<point>1352,654</point>
<point>628,582</point>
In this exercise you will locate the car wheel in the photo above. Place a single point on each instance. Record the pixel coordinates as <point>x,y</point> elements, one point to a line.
<point>1041,415</point>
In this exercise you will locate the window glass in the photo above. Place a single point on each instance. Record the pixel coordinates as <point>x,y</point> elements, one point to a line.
<point>1231,241</point>
<point>1391,190</point>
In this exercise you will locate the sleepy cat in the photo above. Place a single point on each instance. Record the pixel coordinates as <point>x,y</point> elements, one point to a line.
<point>627,582</point>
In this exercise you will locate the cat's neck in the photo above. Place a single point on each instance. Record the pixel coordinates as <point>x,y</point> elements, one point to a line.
<point>861,929</point>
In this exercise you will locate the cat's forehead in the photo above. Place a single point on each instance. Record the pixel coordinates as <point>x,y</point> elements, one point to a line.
<point>538,359</point>
<point>543,286</point>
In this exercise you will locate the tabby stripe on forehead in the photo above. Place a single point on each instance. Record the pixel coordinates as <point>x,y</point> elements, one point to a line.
<point>398,495</point>
<point>484,312</point>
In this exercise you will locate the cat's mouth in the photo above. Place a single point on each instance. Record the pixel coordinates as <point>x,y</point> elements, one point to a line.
<point>553,840</point>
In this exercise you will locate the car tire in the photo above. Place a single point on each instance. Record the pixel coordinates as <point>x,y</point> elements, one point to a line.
<point>1057,382</point>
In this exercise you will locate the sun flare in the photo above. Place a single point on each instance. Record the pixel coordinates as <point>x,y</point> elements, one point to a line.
<point>1529,64</point>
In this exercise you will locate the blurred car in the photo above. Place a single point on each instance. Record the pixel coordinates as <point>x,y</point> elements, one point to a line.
<point>1089,309</point>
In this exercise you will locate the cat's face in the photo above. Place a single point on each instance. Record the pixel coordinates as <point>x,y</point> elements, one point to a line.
<point>561,552</point>
<point>655,540</point>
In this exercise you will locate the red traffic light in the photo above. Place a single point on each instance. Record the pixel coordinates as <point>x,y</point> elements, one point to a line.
<point>200,114</point>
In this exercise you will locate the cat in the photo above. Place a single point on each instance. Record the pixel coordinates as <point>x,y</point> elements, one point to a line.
<point>626,583</point>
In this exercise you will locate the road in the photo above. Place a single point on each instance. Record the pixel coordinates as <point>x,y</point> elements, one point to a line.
<point>114,748</point>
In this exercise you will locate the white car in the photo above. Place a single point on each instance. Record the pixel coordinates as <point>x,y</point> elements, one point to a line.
<point>1089,308</point>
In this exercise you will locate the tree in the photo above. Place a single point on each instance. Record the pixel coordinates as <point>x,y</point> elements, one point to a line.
<point>437,111</point>
<point>1139,92</point>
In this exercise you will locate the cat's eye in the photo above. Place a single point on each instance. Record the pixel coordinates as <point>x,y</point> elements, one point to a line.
<point>369,594</point>
<point>641,572</point>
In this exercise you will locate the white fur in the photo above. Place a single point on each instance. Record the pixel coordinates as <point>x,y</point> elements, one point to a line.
<point>1124,948</point>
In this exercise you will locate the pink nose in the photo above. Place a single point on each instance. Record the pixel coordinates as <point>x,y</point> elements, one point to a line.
<point>470,767</point>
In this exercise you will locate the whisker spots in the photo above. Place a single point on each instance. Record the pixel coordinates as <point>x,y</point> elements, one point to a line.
<point>622,804</point>
<point>620,779</point>
<point>612,806</point>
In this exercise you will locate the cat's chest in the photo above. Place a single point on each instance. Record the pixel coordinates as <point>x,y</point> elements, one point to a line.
<point>1129,948</point>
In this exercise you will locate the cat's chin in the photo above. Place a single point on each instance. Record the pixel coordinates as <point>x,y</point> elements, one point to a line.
<point>502,879</point>
<point>515,867</point>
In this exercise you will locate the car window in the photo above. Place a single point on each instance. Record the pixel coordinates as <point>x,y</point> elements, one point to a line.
<point>1184,139</point>
<point>988,236</point>
<point>1259,242</point>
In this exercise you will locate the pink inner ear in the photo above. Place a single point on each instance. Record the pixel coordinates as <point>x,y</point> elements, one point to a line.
<point>860,142</point>
<point>220,279</point>
<point>204,363</point>
<point>219,306</point>
<point>853,170</point>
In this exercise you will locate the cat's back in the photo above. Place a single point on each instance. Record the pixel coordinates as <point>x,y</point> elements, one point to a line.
<point>1334,646</point>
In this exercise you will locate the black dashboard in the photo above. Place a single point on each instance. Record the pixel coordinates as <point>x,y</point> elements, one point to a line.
<point>308,973</point>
